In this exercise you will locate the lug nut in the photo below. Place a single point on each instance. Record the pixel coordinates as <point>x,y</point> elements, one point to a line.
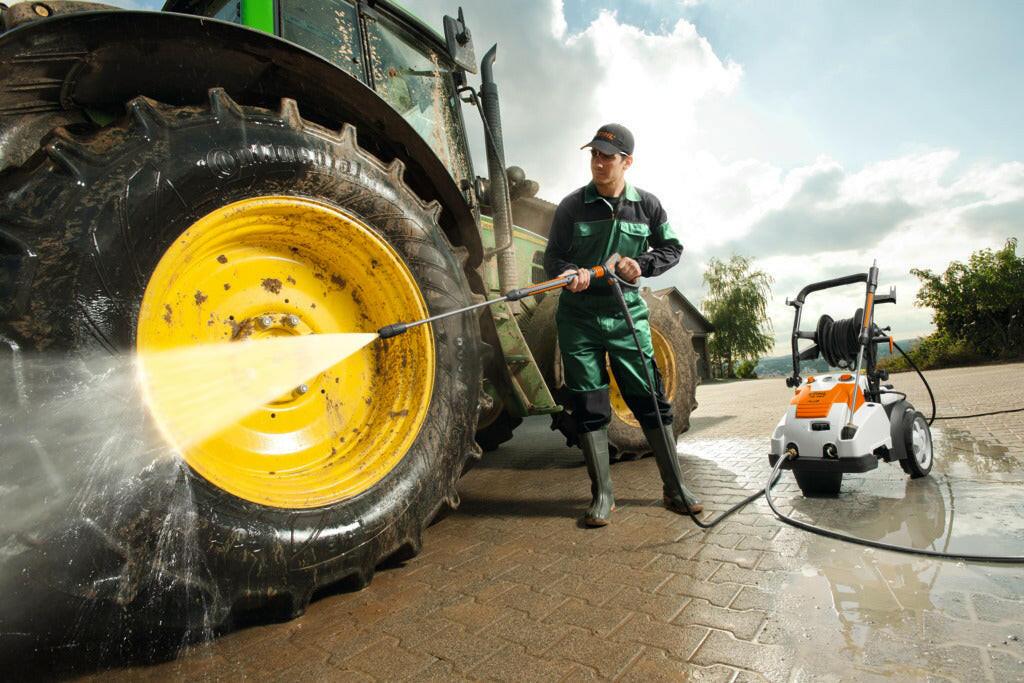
<point>292,320</point>
<point>266,321</point>
<point>301,389</point>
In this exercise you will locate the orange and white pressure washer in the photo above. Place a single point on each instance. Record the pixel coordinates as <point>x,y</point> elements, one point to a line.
<point>847,421</point>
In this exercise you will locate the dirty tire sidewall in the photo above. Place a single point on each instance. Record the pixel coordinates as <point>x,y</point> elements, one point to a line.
<point>102,211</point>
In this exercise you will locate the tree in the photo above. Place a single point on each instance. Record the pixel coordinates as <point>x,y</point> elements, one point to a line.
<point>979,304</point>
<point>736,305</point>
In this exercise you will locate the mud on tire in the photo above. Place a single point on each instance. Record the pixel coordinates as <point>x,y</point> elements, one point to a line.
<point>100,211</point>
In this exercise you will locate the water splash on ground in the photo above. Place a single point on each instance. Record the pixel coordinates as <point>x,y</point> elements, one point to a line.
<point>100,546</point>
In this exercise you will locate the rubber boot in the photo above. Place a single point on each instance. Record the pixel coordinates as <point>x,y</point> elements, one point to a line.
<point>671,476</point>
<point>595,452</point>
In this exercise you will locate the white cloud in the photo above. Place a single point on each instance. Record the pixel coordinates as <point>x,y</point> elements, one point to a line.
<point>811,221</point>
<point>821,221</point>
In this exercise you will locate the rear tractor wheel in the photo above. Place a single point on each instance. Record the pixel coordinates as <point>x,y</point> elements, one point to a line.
<point>217,224</point>
<point>673,353</point>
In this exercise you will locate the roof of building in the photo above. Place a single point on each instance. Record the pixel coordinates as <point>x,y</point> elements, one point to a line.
<point>684,303</point>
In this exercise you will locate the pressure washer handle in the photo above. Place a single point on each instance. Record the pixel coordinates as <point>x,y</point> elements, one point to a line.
<point>869,301</point>
<point>551,285</point>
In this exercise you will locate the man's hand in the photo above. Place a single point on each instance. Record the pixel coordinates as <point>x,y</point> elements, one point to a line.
<point>628,269</point>
<point>581,282</point>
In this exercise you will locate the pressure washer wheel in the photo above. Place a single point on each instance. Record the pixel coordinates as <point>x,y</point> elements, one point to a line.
<point>819,484</point>
<point>216,224</point>
<point>917,438</point>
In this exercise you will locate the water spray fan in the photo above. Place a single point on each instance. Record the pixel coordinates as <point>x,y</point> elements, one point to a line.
<point>847,421</point>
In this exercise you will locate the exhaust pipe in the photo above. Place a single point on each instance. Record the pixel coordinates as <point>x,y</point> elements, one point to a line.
<point>501,203</point>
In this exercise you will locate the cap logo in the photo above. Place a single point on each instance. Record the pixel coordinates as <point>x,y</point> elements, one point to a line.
<point>605,134</point>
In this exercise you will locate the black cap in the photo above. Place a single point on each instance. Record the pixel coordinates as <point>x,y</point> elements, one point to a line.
<point>612,138</point>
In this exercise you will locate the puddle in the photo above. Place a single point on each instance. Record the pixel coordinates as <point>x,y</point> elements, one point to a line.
<point>892,614</point>
<point>973,501</point>
<point>965,456</point>
<point>838,606</point>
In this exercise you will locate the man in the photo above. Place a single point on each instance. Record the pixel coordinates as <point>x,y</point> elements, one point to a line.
<point>607,216</point>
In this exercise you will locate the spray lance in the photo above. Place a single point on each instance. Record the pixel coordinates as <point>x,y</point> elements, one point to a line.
<point>606,270</point>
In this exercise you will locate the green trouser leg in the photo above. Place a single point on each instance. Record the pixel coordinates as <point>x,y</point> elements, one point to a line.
<point>671,475</point>
<point>595,451</point>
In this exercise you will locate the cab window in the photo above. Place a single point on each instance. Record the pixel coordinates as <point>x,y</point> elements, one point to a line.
<point>328,28</point>
<point>228,10</point>
<point>418,84</point>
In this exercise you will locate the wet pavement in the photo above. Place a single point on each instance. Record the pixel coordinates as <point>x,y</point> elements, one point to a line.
<point>510,587</point>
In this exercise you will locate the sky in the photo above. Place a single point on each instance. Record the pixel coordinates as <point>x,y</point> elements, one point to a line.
<point>813,136</point>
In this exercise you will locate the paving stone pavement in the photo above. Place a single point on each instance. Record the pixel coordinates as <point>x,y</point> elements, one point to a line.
<point>511,587</point>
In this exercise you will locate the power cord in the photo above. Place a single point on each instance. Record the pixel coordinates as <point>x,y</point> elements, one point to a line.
<point>931,396</point>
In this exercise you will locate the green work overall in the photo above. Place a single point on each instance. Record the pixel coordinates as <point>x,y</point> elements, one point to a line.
<point>585,231</point>
<point>590,323</point>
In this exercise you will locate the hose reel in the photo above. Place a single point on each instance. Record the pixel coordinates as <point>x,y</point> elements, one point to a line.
<point>837,339</point>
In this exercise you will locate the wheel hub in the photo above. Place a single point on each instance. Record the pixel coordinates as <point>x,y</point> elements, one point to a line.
<point>284,266</point>
<point>921,443</point>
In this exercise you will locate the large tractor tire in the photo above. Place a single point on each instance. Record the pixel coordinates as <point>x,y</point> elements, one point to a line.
<point>184,225</point>
<point>500,430</point>
<point>673,352</point>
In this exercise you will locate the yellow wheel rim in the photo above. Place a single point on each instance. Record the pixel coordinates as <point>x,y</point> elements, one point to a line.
<point>666,361</point>
<point>273,266</point>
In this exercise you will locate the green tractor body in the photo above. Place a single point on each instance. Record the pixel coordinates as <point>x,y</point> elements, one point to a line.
<point>126,137</point>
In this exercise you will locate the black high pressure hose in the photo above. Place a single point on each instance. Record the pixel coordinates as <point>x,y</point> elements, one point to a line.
<point>615,281</point>
<point>837,339</point>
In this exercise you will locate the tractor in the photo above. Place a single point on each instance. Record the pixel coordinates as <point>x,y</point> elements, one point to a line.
<point>227,170</point>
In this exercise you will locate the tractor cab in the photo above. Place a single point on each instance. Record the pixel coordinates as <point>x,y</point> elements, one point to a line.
<point>385,47</point>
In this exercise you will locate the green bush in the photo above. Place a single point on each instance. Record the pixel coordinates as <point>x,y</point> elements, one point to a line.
<point>937,350</point>
<point>979,307</point>
<point>979,312</point>
<point>745,370</point>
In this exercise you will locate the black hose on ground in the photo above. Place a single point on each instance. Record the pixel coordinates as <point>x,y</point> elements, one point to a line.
<point>931,396</point>
<point>615,281</point>
<point>828,533</point>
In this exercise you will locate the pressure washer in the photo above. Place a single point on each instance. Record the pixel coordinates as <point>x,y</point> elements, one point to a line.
<point>836,423</point>
<point>848,421</point>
